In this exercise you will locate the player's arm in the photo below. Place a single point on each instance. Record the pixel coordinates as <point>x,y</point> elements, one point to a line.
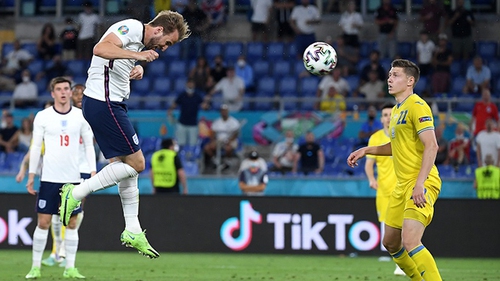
<point>182,178</point>
<point>110,47</point>
<point>23,167</point>
<point>381,150</point>
<point>88,142</point>
<point>321,161</point>
<point>369,171</point>
<point>478,155</point>
<point>428,138</point>
<point>35,153</point>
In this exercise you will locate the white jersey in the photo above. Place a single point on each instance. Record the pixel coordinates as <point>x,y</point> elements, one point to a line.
<point>61,134</point>
<point>85,167</point>
<point>112,77</point>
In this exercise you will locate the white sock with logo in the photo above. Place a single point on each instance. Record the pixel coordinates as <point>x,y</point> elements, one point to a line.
<point>129,194</point>
<point>39,243</point>
<point>110,175</point>
<point>71,240</point>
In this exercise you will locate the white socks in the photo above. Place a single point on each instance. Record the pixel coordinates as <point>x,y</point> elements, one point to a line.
<point>39,243</point>
<point>57,233</point>
<point>62,249</point>
<point>110,175</point>
<point>71,242</point>
<point>129,194</point>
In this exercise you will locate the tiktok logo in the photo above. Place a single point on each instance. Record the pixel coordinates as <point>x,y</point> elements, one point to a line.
<point>244,224</point>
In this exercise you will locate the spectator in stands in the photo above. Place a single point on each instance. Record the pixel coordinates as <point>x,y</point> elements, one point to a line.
<point>488,142</point>
<point>189,103</point>
<point>88,22</point>
<point>260,19</point>
<point>232,88</point>
<point>26,93</point>
<point>7,83</point>
<point>369,127</point>
<point>431,14</point>
<point>425,51</point>
<point>310,156</point>
<point>387,19</point>
<point>225,131</point>
<point>441,61</point>
<point>351,23</point>
<point>334,79</point>
<point>199,22</point>
<point>56,69</point>
<point>46,44</point>
<point>347,57</point>
<point>16,60</point>
<point>69,38</point>
<point>200,74</point>
<point>461,22</point>
<point>216,12</point>
<point>374,64</point>
<point>483,110</point>
<point>253,179</point>
<point>303,19</point>
<point>334,103</point>
<point>7,141</point>
<point>245,72</point>
<point>478,77</point>
<point>283,10</point>
<point>373,90</point>
<point>284,154</point>
<point>459,153</point>
<point>24,134</point>
<point>218,71</point>
<point>487,181</point>
<point>247,162</point>
<point>442,154</point>
<point>167,170</point>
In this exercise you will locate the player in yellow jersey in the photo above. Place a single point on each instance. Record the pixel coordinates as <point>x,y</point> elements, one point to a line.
<point>386,178</point>
<point>413,147</point>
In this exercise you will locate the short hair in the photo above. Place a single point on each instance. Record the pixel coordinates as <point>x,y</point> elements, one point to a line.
<point>409,68</point>
<point>78,86</point>
<point>58,80</point>
<point>387,105</point>
<point>171,21</point>
<point>167,143</point>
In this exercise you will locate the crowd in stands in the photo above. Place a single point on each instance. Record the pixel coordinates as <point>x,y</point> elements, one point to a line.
<point>223,75</point>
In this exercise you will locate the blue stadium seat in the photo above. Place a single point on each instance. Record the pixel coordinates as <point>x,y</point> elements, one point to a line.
<point>494,66</point>
<point>213,49</point>
<point>150,145</point>
<point>281,68</point>
<point>77,67</point>
<point>172,53</point>
<point>260,69</point>
<point>266,85</point>
<point>365,48</point>
<point>162,84</point>
<point>177,68</point>
<point>405,50</point>
<point>298,67</point>
<point>31,48</point>
<point>41,84</point>
<point>255,51</point>
<point>386,64</point>
<point>361,64</point>
<point>79,79</point>
<point>287,84</point>
<point>36,67</point>
<point>263,105</point>
<point>13,160</point>
<point>497,88</point>
<point>156,68</point>
<point>421,85</point>
<point>456,68</point>
<point>232,50</point>
<point>7,48</point>
<point>275,51</point>
<point>141,87</point>
<point>179,85</point>
<point>292,103</point>
<point>457,85</point>
<point>153,102</point>
<point>487,49</point>
<point>353,81</point>
<point>191,168</point>
<point>291,51</point>
<point>309,85</point>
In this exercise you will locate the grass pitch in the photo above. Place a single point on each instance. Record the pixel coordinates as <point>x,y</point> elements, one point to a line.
<point>130,266</point>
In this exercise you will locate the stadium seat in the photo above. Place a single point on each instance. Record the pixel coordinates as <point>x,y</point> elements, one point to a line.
<point>405,50</point>
<point>494,66</point>
<point>421,85</point>
<point>353,81</point>
<point>457,85</point>
<point>291,51</point>
<point>153,102</point>
<point>36,67</point>
<point>134,103</point>
<point>179,85</point>
<point>140,87</point>
<point>172,53</point>
<point>298,67</point>
<point>77,67</point>
<point>487,49</point>
<point>79,79</point>
<point>13,160</point>
<point>361,64</point>
<point>255,51</point>
<point>150,145</point>
<point>386,64</point>
<point>212,49</point>
<point>281,68</point>
<point>7,48</point>
<point>275,51</point>
<point>232,50</point>
<point>456,68</point>
<point>308,85</point>
<point>266,86</point>
<point>260,69</point>
<point>287,84</point>
<point>263,105</point>
<point>156,68</point>
<point>41,84</point>
<point>191,168</point>
<point>365,48</point>
<point>177,68</point>
<point>31,48</point>
<point>162,85</point>
<point>289,101</point>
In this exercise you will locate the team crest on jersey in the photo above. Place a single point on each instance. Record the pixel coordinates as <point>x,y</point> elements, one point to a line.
<point>135,139</point>
<point>424,119</point>
<point>42,203</point>
<point>64,123</point>
<point>123,29</point>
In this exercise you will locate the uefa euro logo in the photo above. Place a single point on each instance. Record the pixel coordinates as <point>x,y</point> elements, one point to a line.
<point>244,224</point>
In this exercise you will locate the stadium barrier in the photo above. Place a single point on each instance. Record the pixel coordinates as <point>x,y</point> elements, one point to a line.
<point>274,225</point>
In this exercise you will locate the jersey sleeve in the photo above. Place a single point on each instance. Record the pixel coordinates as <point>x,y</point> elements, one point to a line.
<point>421,116</point>
<point>128,31</point>
<point>88,141</point>
<point>36,144</point>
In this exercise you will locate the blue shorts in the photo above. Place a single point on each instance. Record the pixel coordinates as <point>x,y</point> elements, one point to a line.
<point>49,199</point>
<point>84,176</point>
<point>112,129</point>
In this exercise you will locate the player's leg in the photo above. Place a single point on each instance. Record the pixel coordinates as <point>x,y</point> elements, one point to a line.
<point>39,242</point>
<point>56,231</point>
<point>71,243</point>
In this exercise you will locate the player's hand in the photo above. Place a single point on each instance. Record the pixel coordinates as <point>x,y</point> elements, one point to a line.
<point>19,177</point>
<point>148,55</point>
<point>29,186</point>
<point>374,185</point>
<point>352,159</point>
<point>137,73</point>
<point>418,196</point>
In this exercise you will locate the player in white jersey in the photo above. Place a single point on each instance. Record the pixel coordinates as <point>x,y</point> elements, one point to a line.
<point>60,129</point>
<point>108,85</point>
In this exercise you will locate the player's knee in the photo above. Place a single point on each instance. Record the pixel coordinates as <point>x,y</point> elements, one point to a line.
<point>391,245</point>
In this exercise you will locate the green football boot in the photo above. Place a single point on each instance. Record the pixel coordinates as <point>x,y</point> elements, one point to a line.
<point>139,242</point>
<point>68,203</point>
<point>34,273</point>
<point>72,273</point>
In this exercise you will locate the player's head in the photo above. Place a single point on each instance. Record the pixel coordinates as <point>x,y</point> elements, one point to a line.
<point>78,95</point>
<point>309,137</point>
<point>167,28</point>
<point>168,144</point>
<point>385,117</point>
<point>404,74</point>
<point>60,89</point>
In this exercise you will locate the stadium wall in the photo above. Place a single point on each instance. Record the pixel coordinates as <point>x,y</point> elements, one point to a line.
<point>275,225</point>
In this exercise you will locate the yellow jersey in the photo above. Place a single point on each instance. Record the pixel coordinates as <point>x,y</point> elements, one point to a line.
<point>408,119</point>
<point>386,178</point>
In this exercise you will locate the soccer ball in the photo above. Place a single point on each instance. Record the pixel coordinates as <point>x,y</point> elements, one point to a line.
<point>320,58</point>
